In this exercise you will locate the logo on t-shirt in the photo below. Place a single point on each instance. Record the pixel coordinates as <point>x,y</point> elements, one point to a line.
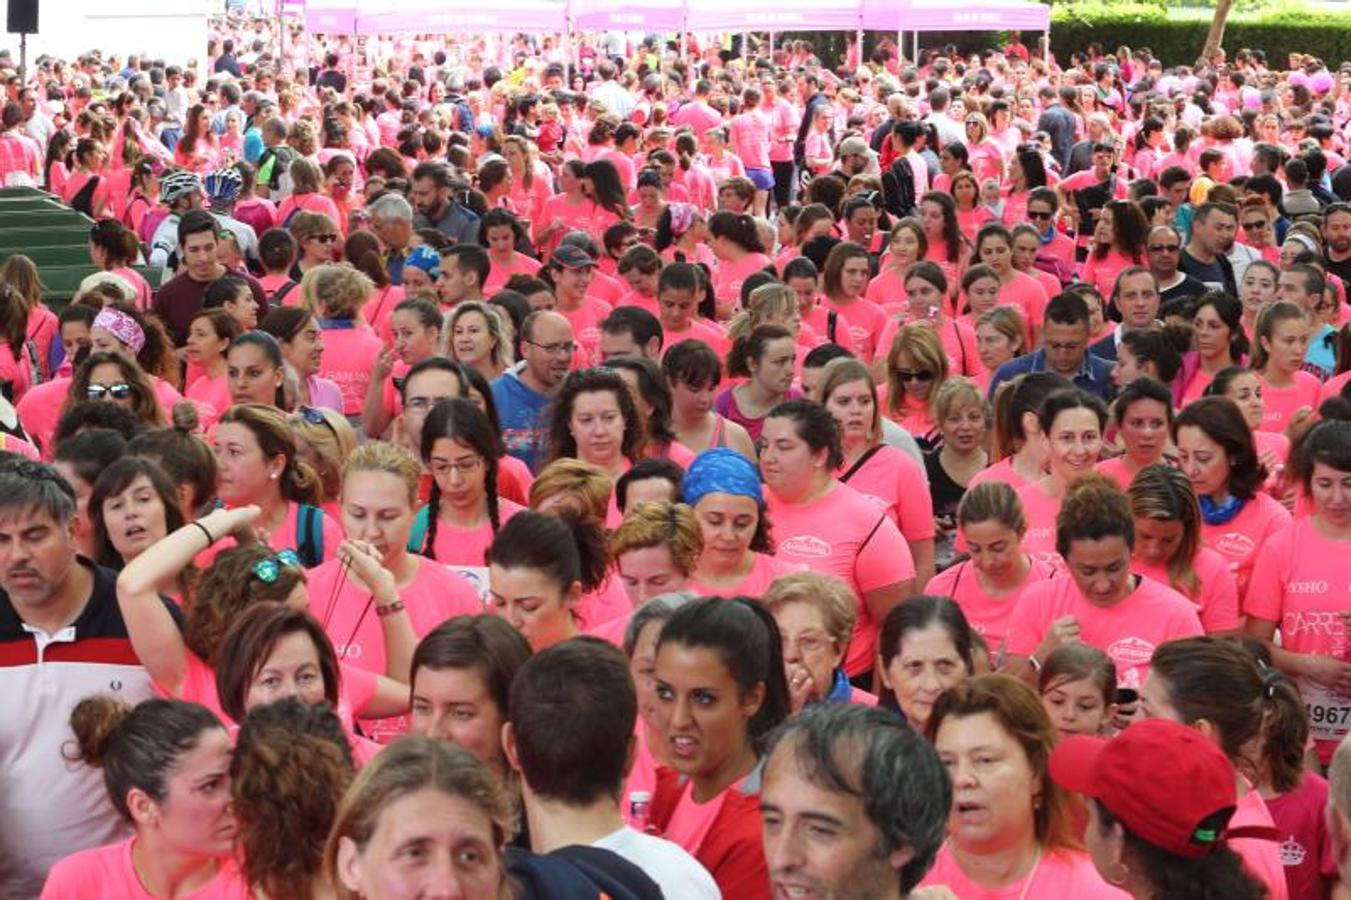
<point>1235,543</point>
<point>1293,852</point>
<point>1131,651</point>
<point>805,545</point>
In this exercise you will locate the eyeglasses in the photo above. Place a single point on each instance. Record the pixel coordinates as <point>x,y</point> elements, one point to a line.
<point>1039,215</point>
<point>1164,248</point>
<point>558,348</point>
<point>463,467</point>
<point>117,391</point>
<point>1255,225</point>
<point>269,570</point>
<point>904,375</point>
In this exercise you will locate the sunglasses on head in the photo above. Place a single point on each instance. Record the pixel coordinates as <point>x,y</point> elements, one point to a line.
<point>269,570</point>
<point>116,391</point>
<point>904,375</point>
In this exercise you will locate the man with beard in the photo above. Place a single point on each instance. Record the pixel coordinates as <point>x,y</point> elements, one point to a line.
<point>1337,236</point>
<point>523,395</point>
<point>855,805</point>
<point>436,208</point>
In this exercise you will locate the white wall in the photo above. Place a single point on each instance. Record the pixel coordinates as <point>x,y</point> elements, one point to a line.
<point>175,30</point>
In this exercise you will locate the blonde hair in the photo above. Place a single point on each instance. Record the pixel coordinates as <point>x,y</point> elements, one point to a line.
<point>335,291</point>
<point>501,352</point>
<point>828,595</point>
<point>306,224</point>
<point>846,370</point>
<point>580,479</point>
<point>954,394</point>
<point>1008,322</point>
<point>332,441</point>
<point>920,343</point>
<point>767,302</point>
<point>993,501</point>
<point>658,523</point>
<point>381,456</point>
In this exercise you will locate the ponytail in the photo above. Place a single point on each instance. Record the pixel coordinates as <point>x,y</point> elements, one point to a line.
<point>1285,731</point>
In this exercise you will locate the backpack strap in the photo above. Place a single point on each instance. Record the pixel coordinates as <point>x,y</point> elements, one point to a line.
<point>860,463</point>
<point>281,293</point>
<point>309,536</point>
<point>832,321</point>
<point>417,536</point>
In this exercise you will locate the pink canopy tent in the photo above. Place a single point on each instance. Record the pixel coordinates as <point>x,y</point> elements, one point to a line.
<point>772,15</point>
<point>433,16</point>
<point>659,16</point>
<point>946,15</point>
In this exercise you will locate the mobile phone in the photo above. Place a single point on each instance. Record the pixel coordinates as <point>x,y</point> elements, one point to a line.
<point>1127,696</point>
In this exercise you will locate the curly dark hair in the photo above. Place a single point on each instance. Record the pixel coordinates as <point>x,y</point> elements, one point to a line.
<point>561,442</point>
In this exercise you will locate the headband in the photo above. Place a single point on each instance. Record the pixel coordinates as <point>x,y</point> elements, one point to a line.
<point>721,470</point>
<point>121,326</point>
<point>1305,241</point>
<point>682,217</point>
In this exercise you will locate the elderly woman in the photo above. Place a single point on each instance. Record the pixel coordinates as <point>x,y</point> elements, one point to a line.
<point>816,617</point>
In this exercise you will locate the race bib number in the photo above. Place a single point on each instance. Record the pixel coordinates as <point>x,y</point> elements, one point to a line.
<point>1329,713</point>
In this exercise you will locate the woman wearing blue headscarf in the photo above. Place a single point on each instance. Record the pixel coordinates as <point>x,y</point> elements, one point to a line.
<point>723,489</point>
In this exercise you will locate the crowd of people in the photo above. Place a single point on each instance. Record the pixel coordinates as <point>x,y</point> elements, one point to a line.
<point>678,469</point>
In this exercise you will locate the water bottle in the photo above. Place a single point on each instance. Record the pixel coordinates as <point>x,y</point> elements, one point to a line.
<point>640,811</point>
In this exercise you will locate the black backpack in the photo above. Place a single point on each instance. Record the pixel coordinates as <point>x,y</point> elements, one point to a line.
<point>898,189</point>
<point>579,872</point>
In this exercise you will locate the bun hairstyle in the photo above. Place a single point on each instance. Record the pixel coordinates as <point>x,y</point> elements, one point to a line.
<point>184,457</point>
<point>298,481</point>
<point>739,228</point>
<point>568,548</point>
<point>137,747</point>
<point>291,766</point>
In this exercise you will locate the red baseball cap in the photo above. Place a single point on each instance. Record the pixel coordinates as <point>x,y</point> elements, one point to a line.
<point>1162,780</point>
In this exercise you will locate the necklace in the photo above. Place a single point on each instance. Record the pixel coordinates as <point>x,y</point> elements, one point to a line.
<point>1031,876</point>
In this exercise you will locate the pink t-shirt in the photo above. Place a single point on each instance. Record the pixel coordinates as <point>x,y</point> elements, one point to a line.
<point>350,351</point>
<point>108,873</point>
<point>348,615</point>
<point>750,138</point>
<point>1217,602</point>
<point>1306,844</point>
<point>763,571</point>
<point>703,330</point>
<point>866,323</point>
<point>1065,873</point>
<point>957,337</point>
<point>1261,858</point>
<point>585,321</point>
<point>895,478</point>
<point>1026,294</point>
<point>467,546</point>
<point>849,535</point>
<point>1000,471</point>
<point>1129,631</point>
<point>215,392</point>
<point>1101,273</point>
<point>887,290</point>
<point>1299,581</point>
<point>1040,509</point>
<point>1332,387</point>
<point>285,537</point>
<point>731,274</point>
<point>819,320</point>
<point>605,604</point>
<point>988,615</point>
<point>1279,404</point>
<point>498,274</point>
<point>1240,539</point>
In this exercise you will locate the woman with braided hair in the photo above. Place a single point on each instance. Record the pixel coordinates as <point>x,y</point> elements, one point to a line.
<point>462,451</point>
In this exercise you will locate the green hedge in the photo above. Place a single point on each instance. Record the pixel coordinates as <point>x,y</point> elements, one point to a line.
<point>1280,31</point>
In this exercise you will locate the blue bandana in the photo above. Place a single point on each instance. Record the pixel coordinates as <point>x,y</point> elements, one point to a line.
<point>721,470</point>
<point>1220,513</point>
<point>841,691</point>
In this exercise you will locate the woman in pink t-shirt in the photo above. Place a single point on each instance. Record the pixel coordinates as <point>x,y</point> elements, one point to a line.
<point>892,476</point>
<point>461,681</point>
<point>1118,242</point>
<point>462,452</point>
<point>972,215</point>
<point>994,248</point>
<point>1220,344</point>
<point>1072,423</point>
<point>655,551</point>
<point>906,246</point>
<point>1101,602</point>
<point>916,367</point>
<point>1280,344</point>
<point>693,370</point>
<point>827,525</point>
<point>988,584</point>
<point>816,616</point>
<point>947,245</point>
<point>1143,414</point>
<point>502,232</point>
<point>926,286</point>
<point>1217,688</point>
<point>844,278</point>
<point>209,336</point>
<point>1244,387</point>
<point>1168,546</point>
<point>1299,585</point>
<point>539,568</point>
<point>169,760</point>
<point>735,240</point>
<point>336,294</point>
<point>288,336</point>
<point>259,464</point>
<point>1010,812</point>
<point>1018,445</point>
<point>415,332</point>
<point>1001,335</point>
<point>1216,451</point>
